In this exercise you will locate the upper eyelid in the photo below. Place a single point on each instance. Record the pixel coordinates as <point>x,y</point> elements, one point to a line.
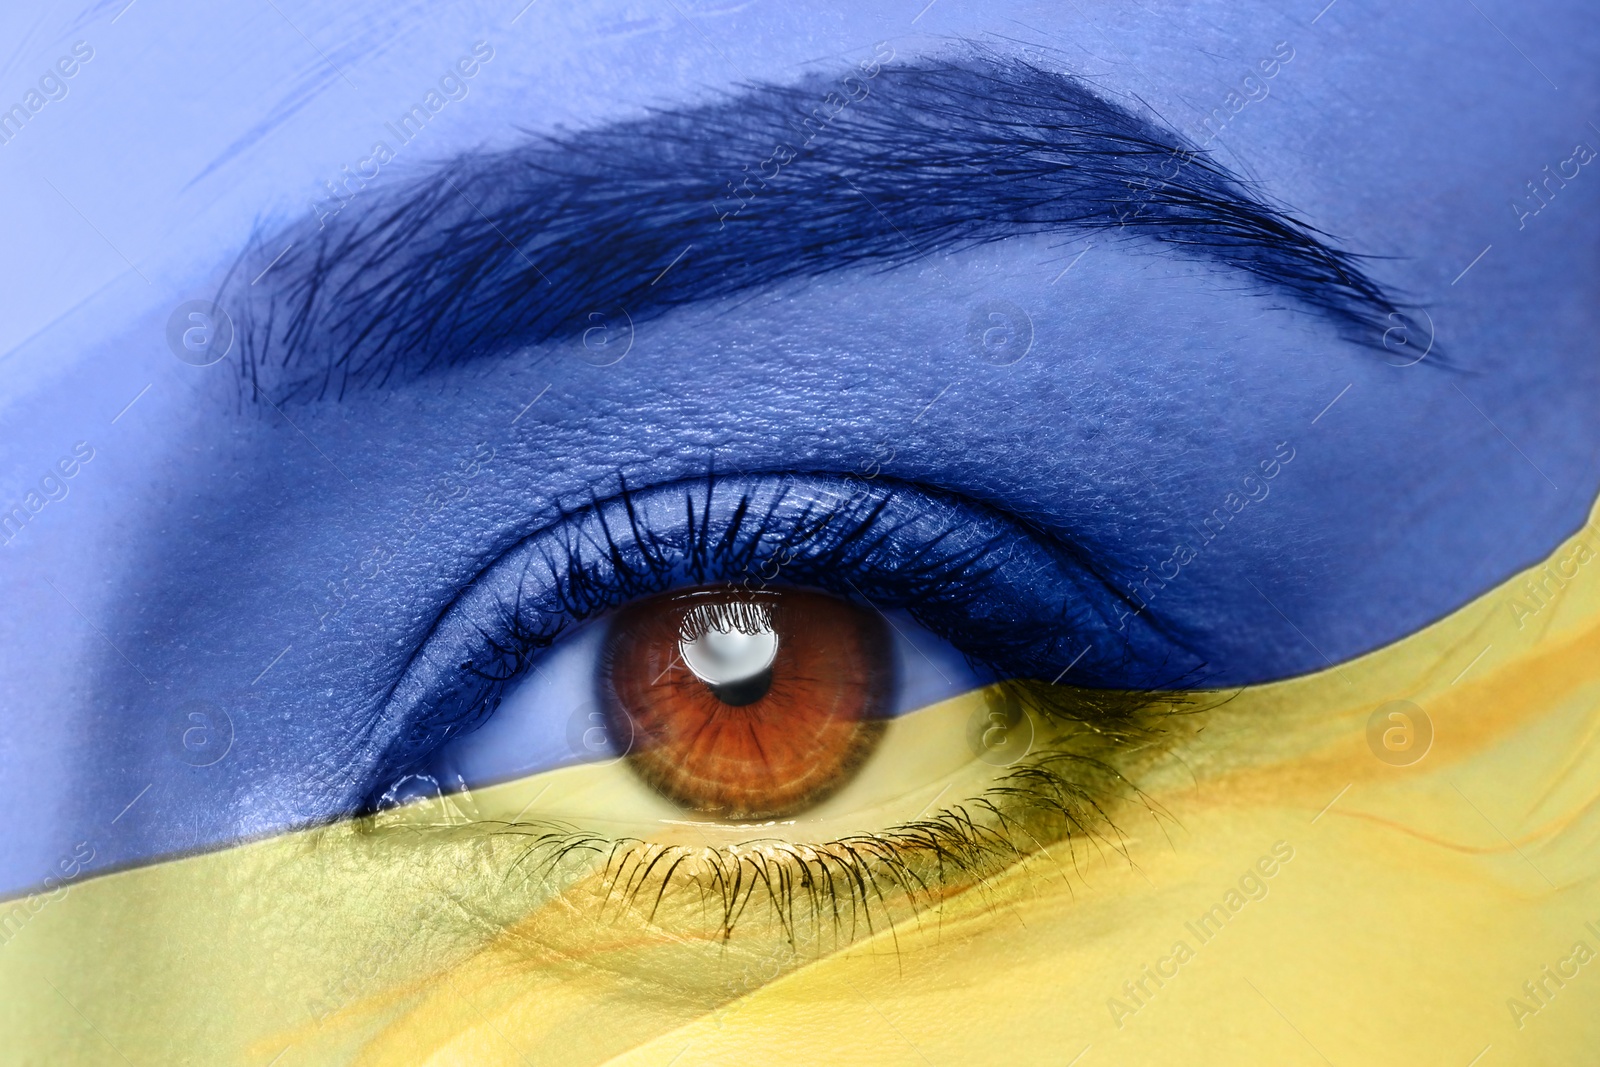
<point>1036,579</point>
<point>517,247</point>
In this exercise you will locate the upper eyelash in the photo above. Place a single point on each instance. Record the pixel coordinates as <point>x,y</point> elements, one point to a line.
<point>953,581</point>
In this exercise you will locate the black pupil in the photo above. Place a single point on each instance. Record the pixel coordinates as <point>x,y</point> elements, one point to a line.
<point>745,690</point>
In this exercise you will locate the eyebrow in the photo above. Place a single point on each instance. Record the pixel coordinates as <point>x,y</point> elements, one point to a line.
<point>877,168</point>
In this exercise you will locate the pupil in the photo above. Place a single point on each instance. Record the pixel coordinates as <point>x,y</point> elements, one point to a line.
<point>745,691</point>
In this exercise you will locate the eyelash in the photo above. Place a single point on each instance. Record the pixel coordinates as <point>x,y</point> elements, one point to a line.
<point>1019,604</point>
<point>817,897</point>
<point>1013,601</point>
<point>817,894</point>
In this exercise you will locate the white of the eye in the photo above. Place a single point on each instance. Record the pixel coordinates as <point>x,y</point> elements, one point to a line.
<point>721,656</point>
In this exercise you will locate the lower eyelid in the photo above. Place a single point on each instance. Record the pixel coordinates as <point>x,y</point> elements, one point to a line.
<point>961,828</point>
<point>396,901</point>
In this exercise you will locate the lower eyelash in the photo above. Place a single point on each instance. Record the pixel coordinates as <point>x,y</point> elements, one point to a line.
<point>828,894</point>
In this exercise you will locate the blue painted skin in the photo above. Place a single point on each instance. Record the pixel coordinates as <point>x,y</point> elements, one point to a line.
<point>211,533</point>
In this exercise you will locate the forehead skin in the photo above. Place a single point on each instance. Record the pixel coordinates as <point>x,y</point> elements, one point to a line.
<point>201,540</point>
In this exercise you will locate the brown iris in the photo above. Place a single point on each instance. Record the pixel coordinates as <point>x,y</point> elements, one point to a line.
<point>747,705</point>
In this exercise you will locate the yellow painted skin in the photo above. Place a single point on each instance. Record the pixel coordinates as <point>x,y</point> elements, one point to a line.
<point>1300,900</point>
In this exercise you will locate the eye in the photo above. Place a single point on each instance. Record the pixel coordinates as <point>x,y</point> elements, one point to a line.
<point>801,682</point>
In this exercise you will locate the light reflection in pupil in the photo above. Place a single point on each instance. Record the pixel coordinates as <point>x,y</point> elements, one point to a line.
<point>731,651</point>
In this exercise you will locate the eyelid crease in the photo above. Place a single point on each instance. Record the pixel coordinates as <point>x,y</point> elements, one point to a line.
<point>524,246</point>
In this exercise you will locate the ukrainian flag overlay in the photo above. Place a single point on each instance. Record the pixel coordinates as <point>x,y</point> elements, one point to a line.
<point>1390,861</point>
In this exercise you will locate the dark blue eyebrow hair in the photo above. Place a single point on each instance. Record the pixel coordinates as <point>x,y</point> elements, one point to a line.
<point>883,166</point>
